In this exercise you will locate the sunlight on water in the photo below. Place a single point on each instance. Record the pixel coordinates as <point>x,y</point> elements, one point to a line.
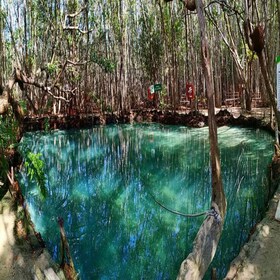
<point>102,182</point>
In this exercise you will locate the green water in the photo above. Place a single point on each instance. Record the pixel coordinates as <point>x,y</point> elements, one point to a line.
<point>100,181</point>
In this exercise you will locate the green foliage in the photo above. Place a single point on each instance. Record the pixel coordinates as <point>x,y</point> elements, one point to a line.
<point>4,166</point>
<point>162,96</point>
<point>52,67</point>
<point>3,14</point>
<point>23,105</point>
<point>8,137</point>
<point>8,130</point>
<point>72,6</point>
<point>151,45</point>
<point>47,124</point>
<point>74,75</point>
<point>106,64</point>
<point>35,170</point>
<point>18,34</point>
<point>33,162</point>
<point>250,54</point>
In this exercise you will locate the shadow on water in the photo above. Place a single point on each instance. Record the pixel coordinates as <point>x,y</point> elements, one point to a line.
<point>100,181</point>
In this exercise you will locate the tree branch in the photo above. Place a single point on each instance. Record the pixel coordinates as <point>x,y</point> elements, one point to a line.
<point>76,13</point>
<point>21,77</point>
<point>77,28</point>
<point>224,6</point>
<point>77,63</point>
<point>65,27</point>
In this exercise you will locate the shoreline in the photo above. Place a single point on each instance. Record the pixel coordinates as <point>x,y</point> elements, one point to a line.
<point>259,117</point>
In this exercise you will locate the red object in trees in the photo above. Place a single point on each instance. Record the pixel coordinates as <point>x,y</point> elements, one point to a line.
<point>150,95</point>
<point>190,91</point>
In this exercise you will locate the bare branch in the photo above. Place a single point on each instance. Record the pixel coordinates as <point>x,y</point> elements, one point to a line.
<point>57,97</point>
<point>62,71</point>
<point>21,77</point>
<point>76,28</point>
<point>232,48</point>
<point>225,5</point>
<point>59,74</point>
<point>76,14</point>
<point>65,27</point>
<point>77,63</point>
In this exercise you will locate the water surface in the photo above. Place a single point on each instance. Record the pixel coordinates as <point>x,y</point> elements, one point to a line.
<point>101,181</point>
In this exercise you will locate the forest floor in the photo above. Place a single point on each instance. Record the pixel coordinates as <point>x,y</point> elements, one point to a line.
<point>258,113</point>
<point>21,260</point>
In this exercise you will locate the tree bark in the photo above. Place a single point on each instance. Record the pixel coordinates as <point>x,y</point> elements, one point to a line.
<point>8,98</point>
<point>268,86</point>
<point>206,242</point>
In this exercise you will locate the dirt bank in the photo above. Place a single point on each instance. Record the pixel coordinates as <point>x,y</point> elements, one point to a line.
<point>259,257</point>
<point>231,116</point>
<point>22,258</point>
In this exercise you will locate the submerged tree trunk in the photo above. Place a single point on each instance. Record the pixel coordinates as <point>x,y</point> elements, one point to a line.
<point>206,242</point>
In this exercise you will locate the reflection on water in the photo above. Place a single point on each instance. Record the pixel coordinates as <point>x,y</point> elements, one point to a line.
<point>101,180</point>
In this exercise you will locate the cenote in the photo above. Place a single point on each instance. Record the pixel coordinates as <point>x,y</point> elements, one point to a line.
<point>101,181</point>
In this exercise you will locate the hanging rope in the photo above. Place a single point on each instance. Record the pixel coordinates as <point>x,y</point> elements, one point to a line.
<point>212,212</point>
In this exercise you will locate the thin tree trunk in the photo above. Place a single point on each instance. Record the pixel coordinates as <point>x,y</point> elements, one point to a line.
<point>2,53</point>
<point>268,86</point>
<point>218,195</point>
<point>206,242</point>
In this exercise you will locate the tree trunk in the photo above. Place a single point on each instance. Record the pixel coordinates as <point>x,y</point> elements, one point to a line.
<point>269,86</point>
<point>206,242</point>
<point>8,99</point>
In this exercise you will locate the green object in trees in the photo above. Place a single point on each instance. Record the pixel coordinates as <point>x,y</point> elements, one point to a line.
<point>157,87</point>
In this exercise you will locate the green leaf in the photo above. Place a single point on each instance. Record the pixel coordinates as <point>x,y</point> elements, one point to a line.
<point>35,171</point>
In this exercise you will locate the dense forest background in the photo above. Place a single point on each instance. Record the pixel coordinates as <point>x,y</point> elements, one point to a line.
<point>77,56</point>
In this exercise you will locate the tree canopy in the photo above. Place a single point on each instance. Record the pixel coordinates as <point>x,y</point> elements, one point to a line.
<point>76,56</point>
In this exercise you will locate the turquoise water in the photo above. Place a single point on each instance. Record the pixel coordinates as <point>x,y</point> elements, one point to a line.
<point>101,181</point>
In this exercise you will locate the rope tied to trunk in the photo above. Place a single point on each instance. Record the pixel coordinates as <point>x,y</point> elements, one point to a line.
<point>214,213</point>
<point>209,213</point>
